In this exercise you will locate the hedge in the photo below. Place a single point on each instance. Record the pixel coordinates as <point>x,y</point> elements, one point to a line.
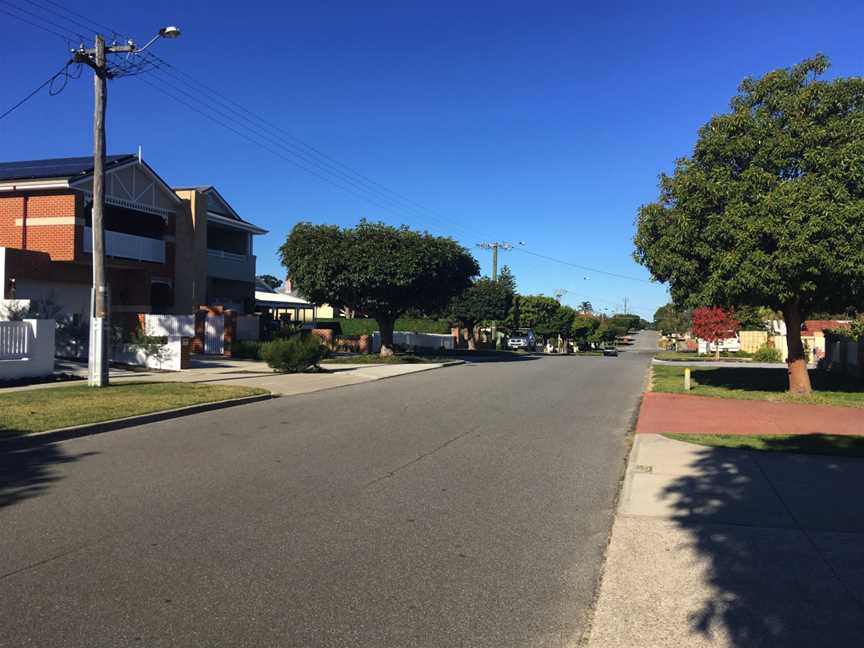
<point>367,326</point>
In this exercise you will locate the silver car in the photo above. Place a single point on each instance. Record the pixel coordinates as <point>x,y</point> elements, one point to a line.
<point>522,339</point>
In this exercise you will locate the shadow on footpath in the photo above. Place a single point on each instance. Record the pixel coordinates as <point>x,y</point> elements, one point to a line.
<point>774,582</point>
<point>27,469</point>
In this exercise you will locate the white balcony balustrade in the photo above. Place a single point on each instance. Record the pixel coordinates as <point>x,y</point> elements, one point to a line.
<point>128,246</point>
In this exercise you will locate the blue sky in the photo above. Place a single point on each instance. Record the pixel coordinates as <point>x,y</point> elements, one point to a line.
<point>539,122</point>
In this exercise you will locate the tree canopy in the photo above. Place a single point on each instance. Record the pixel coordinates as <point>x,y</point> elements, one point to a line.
<point>769,209</point>
<point>671,319</point>
<point>269,280</point>
<point>483,300</point>
<point>377,270</point>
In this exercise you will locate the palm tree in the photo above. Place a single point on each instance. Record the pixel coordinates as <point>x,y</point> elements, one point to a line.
<point>586,307</point>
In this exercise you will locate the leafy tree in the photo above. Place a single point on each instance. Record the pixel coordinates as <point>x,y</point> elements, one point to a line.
<point>377,269</point>
<point>586,307</point>
<point>714,324</point>
<point>483,300</point>
<point>506,279</point>
<point>769,209</point>
<point>270,281</point>
<point>583,327</point>
<point>670,319</point>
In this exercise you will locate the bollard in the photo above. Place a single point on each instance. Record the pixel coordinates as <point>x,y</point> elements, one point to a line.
<point>686,378</point>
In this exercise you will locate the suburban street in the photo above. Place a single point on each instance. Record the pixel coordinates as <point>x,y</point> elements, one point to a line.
<point>468,506</point>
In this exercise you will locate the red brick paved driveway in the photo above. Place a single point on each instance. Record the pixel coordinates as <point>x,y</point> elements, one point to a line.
<point>680,413</point>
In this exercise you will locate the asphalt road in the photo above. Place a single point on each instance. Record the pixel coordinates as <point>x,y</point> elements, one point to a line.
<point>468,506</point>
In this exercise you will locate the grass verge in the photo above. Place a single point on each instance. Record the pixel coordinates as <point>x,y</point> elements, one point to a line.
<point>822,444</point>
<point>38,410</point>
<point>760,384</point>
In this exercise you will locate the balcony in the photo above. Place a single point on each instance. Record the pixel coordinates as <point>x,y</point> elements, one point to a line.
<point>128,246</point>
<point>227,265</point>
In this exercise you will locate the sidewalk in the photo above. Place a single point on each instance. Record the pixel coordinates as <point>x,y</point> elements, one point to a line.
<point>728,548</point>
<point>252,373</point>
<point>686,414</point>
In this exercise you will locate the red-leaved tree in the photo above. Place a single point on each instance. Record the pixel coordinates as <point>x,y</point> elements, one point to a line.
<point>713,324</point>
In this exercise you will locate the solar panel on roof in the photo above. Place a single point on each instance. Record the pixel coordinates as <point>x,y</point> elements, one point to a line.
<point>53,168</point>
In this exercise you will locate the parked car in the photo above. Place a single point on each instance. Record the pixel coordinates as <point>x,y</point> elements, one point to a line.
<point>522,339</point>
<point>610,351</point>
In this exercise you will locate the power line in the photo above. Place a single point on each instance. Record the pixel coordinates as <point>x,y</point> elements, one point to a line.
<point>64,38</point>
<point>92,22</point>
<point>581,267</point>
<point>64,72</point>
<point>42,18</point>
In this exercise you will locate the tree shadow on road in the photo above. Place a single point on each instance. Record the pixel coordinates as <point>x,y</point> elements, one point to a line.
<point>29,469</point>
<point>773,581</point>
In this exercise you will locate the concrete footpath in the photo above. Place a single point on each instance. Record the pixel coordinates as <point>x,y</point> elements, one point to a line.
<point>253,373</point>
<point>730,548</point>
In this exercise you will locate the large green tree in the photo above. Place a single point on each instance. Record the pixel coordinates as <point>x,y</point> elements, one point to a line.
<point>769,209</point>
<point>483,300</point>
<point>671,319</point>
<point>377,269</point>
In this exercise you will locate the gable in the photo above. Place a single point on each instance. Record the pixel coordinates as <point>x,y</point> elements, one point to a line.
<point>136,186</point>
<point>217,204</point>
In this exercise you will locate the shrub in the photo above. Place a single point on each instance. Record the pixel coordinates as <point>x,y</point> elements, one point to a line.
<point>249,349</point>
<point>768,354</point>
<point>294,354</point>
<point>365,326</point>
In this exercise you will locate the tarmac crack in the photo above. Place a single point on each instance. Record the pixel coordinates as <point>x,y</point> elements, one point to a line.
<point>418,458</point>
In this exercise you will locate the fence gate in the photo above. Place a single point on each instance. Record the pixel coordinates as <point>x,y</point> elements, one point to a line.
<point>214,334</point>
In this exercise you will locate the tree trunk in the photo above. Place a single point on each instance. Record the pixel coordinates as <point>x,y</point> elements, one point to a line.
<point>799,379</point>
<point>472,337</point>
<point>385,326</point>
<point>716,349</point>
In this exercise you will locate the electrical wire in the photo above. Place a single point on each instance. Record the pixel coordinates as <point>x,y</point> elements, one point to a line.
<point>581,267</point>
<point>42,18</point>
<point>64,38</point>
<point>91,22</point>
<point>52,91</point>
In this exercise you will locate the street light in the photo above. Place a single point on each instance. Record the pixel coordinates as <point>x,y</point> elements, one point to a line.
<point>166,32</point>
<point>96,58</point>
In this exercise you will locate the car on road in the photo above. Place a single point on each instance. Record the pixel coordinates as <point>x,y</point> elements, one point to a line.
<point>522,339</point>
<point>610,351</point>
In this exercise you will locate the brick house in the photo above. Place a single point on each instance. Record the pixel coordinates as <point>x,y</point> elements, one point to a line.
<point>156,239</point>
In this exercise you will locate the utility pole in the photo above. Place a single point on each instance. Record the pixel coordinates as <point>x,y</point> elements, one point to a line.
<point>625,305</point>
<point>97,360</point>
<point>494,247</point>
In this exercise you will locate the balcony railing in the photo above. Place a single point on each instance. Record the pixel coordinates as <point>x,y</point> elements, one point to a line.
<point>128,246</point>
<point>229,265</point>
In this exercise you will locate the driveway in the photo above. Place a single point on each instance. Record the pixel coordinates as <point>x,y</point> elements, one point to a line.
<point>464,507</point>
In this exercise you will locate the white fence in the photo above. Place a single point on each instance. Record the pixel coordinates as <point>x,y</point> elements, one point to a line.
<point>14,338</point>
<point>169,325</point>
<point>248,327</point>
<point>416,340</point>
<point>166,357</point>
<point>26,348</point>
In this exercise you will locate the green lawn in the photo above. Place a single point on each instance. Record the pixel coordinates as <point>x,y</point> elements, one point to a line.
<point>760,384</point>
<point>824,444</point>
<point>37,410</point>
<point>692,356</point>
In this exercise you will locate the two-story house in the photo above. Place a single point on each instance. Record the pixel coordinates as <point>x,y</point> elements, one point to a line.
<point>166,251</point>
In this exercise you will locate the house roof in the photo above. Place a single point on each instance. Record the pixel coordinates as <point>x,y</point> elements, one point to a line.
<point>814,326</point>
<point>275,300</point>
<point>217,206</point>
<point>72,167</point>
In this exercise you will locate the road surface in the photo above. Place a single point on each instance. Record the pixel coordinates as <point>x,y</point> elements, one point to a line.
<point>468,506</point>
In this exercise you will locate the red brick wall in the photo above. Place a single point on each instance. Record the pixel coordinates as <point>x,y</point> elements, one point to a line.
<point>57,240</point>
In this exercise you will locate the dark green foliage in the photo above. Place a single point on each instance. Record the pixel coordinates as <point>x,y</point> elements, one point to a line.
<point>670,319</point>
<point>583,327</point>
<point>246,349</point>
<point>483,300</point>
<point>294,354</point>
<point>767,354</point>
<point>270,280</point>
<point>366,326</point>
<point>376,269</point>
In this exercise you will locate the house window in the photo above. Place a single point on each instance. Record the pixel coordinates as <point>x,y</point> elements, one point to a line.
<point>227,239</point>
<point>128,221</point>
